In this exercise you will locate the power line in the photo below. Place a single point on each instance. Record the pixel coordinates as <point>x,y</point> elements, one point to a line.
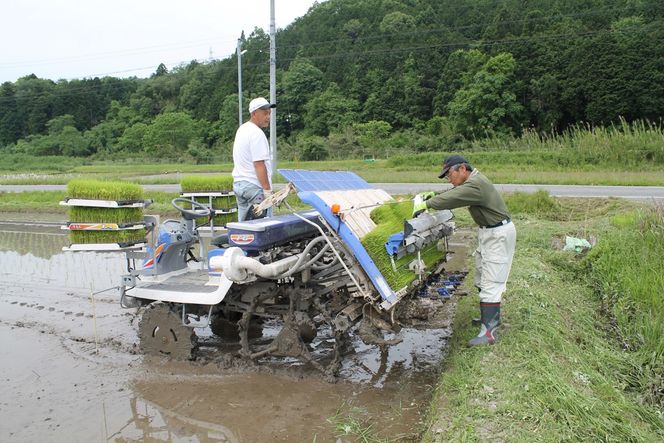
<point>342,54</point>
<point>102,55</point>
<point>418,32</point>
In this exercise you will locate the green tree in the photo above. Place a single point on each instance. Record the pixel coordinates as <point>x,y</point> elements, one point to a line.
<point>57,124</point>
<point>34,102</point>
<point>132,138</point>
<point>70,142</point>
<point>396,22</point>
<point>487,103</point>
<point>10,122</point>
<point>329,110</point>
<point>299,83</point>
<point>313,149</point>
<point>459,69</point>
<point>170,134</point>
<point>372,135</point>
<point>227,123</point>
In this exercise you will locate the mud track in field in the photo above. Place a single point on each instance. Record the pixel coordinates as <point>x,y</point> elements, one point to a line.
<point>71,370</point>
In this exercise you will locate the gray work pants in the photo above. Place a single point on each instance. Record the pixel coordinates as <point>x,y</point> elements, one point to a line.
<point>493,261</point>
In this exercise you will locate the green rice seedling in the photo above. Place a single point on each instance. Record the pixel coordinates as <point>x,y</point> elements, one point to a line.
<point>105,190</point>
<point>125,236</point>
<point>389,219</point>
<point>85,214</point>
<point>218,183</point>
<point>206,183</point>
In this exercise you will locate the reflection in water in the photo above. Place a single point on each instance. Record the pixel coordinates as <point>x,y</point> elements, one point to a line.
<point>41,244</point>
<point>391,386</point>
<point>151,423</point>
<point>36,258</point>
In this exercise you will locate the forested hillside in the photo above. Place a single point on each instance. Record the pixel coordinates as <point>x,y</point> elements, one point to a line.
<point>359,77</point>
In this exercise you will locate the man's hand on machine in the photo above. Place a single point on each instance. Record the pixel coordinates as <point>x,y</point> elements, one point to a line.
<point>273,198</point>
<point>426,195</point>
<point>419,204</point>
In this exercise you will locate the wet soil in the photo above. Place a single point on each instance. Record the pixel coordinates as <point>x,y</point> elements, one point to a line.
<point>70,369</point>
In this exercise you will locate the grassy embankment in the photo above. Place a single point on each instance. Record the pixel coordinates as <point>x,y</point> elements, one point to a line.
<point>581,357</point>
<point>622,155</point>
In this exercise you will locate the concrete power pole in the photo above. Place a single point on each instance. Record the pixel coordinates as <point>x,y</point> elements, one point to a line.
<point>273,89</point>
<point>238,51</point>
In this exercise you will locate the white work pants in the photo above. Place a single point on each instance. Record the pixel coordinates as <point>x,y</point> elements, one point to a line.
<point>493,261</point>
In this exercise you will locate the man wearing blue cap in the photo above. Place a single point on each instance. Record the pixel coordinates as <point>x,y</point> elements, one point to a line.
<point>252,167</point>
<point>496,235</point>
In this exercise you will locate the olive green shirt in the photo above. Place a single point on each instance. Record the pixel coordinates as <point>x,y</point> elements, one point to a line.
<point>485,204</point>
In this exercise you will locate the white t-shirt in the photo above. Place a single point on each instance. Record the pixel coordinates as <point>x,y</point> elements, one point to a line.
<point>250,145</point>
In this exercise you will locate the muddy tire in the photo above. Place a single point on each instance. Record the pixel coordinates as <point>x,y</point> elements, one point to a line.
<point>228,329</point>
<point>161,332</point>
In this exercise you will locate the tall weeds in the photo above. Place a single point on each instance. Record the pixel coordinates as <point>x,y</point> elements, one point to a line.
<point>627,144</point>
<point>627,269</point>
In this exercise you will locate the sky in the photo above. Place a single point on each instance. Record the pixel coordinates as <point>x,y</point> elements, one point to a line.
<point>74,39</point>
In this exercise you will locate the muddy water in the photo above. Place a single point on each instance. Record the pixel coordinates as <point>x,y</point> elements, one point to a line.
<point>70,370</point>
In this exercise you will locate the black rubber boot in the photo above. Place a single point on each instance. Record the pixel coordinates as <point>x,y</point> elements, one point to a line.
<point>477,321</point>
<point>490,314</point>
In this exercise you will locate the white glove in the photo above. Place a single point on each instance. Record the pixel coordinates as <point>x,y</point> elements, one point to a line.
<point>267,193</point>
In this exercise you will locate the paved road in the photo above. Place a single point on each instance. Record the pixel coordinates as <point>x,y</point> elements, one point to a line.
<point>655,193</point>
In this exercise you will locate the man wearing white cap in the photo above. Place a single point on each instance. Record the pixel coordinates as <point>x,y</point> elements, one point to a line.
<point>252,168</point>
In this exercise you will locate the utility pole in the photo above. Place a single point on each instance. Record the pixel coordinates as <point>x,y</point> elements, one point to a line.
<point>239,53</point>
<point>273,89</point>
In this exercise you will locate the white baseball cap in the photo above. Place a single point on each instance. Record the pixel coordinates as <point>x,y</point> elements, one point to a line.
<point>260,103</point>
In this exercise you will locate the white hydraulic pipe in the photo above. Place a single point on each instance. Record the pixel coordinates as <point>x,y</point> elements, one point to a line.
<point>237,267</point>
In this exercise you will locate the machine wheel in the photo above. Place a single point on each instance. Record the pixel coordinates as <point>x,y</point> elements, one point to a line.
<point>161,332</point>
<point>226,326</point>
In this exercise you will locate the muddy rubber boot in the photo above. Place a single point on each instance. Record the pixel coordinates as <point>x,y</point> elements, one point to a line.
<point>477,321</point>
<point>490,313</point>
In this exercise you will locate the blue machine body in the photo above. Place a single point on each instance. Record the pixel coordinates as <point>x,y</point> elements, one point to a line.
<point>265,233</point>
<point>392,245</point>
<point>308,183</point>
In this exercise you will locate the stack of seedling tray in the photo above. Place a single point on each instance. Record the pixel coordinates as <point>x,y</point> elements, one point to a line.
<point>105,215</point>
<point>389,219</point>
<point>215,192</point>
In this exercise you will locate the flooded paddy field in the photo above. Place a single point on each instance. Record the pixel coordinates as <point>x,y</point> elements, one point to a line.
<point>71,369</point>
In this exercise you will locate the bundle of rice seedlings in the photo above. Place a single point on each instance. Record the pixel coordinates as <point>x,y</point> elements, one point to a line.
<point>389,220</point>
<point>105,190</point>
<point>219,183</point>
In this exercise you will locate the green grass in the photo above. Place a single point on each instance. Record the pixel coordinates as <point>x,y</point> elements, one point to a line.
<point>48,202</point>
<point>354,422</point>
<point>424,169</point>
<point>627,271</point>
<point>623,154</point>
<point>32,201</point>
<point>558,372</point>
<point>24,162</point>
